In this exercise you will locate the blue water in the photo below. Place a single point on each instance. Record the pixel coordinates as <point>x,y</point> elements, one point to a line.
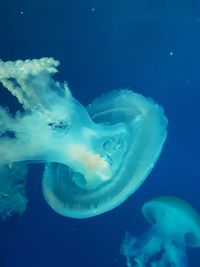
<point>150,46</point>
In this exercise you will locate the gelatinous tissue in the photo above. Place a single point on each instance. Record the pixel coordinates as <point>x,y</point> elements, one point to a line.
<point>95,157</point>
<point>175,224</point>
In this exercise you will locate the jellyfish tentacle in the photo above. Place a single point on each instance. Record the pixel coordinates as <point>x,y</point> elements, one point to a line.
<point>138,262</point>
<point>13,198</point>
<point>15,77</point>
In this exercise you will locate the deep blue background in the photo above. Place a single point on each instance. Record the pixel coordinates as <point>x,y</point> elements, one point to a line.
<point>151,46</point>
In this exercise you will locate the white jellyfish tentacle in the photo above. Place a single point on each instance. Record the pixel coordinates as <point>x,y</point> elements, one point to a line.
<point>30,80</point>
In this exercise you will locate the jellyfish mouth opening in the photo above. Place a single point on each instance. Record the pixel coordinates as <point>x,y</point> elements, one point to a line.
<point>94,165</point>
<point>89,169</point>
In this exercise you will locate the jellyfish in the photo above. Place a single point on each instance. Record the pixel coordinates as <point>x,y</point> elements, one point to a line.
<point>96,156</point>
<point>13,198</point>
<point>175,225</point>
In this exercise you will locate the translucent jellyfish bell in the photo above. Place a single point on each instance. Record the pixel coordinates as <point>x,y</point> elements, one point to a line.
<point>175,225</point>
<point>120,150</point>
<point>97,156</point>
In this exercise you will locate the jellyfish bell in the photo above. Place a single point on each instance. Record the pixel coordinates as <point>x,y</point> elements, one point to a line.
<point>175,225</point>
<point>179,216</point>
<point>121,148</point>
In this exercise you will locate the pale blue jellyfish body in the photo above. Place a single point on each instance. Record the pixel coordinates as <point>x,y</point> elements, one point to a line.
<point>95,157</point>
<point>175,225</point>
<point>124,141</point>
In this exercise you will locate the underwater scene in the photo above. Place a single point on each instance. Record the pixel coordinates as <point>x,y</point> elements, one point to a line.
<point>99,133</point>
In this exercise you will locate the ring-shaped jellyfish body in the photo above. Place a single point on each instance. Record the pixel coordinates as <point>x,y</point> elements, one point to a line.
<point>175,225</point>
<point>124,143</point>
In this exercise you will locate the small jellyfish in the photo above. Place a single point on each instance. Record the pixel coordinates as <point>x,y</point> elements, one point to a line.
<point>95,156</point>
<point>175,225</point>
